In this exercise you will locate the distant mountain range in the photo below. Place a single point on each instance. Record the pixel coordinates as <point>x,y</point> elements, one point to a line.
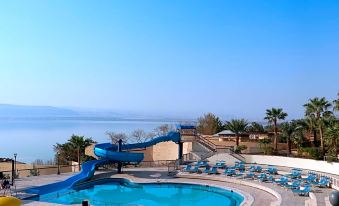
<point>9,111</point>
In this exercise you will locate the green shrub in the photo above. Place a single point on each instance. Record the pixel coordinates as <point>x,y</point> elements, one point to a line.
<point>312,152</point>
<point>240,148</point>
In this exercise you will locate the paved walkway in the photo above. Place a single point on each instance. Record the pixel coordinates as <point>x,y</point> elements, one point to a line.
<point>260,197</point>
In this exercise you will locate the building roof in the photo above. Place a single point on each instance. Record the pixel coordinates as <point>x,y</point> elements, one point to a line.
<point>4,159</point>
<point>224,132</point>
<point>185,126</point>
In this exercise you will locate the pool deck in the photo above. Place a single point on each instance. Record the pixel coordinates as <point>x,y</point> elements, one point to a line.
<point>262,194</point>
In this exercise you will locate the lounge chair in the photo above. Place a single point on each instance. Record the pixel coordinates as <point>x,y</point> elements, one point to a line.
<point>270,179</point>
<point>220,164</point>
<point>230,172</point>
<point>249,175</point>
<point>262,177</point>
<point>206,170</point>
<point>240,167</point>
<point>195,169</point>
<point>323,182</point>
<point>214,171</point>
<point>281,181</point>
<point>302,191</point>
<point>272,170</point>
<point>293,185</point>
<point>202,164</point>
<point>310,178</point>
<point>187,168</point>
<point>295,174</point>
<point>255,168</point>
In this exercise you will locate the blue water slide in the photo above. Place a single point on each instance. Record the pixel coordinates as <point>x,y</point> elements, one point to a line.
<point>108,153</point>
<point>87,171</point>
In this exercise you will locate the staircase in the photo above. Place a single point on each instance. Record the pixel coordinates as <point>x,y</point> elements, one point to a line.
<point>206,143</point>
<point>210,150</point>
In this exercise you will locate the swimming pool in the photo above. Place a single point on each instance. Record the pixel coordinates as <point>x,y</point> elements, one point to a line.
<point>123,192</point>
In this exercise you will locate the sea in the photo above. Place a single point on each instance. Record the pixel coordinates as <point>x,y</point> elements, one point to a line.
<point>33,138</point>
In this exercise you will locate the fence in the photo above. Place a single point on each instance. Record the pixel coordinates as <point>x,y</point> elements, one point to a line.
<point>49,170</point>
<point>334,181</point>
<point>43,170</point>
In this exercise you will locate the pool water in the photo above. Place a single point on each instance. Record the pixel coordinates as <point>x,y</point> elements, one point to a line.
<point>147,194</point>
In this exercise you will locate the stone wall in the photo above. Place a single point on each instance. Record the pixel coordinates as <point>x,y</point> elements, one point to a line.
<point>165,151</point>
<point>89,151</point>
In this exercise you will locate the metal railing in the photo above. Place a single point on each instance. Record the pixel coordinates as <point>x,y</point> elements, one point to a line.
<point>173,167</point>
<point>156,163</point>
<point>210,145</point>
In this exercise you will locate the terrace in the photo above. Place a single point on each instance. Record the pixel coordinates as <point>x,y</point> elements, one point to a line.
<point>256,190</point>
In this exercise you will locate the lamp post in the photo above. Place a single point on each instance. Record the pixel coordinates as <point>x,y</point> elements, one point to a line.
<point>58,162</point>
<point>15,154</point>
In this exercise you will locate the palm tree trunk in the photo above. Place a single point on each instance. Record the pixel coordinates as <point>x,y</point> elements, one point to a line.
<point>315,140</point>
<point>237,140</point>
<point>275,136</point>
<point>289,146</point>
<point>321,140</point>
<point>79,158</point>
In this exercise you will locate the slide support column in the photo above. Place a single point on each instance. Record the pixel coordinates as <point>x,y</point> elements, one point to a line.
<point>180,150</point>
<point>120,163</point>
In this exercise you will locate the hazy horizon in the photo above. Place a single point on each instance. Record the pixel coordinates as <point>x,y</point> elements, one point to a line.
<point>170,58</point>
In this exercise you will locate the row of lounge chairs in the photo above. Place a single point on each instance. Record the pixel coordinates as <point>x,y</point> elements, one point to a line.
<point>293,180</point>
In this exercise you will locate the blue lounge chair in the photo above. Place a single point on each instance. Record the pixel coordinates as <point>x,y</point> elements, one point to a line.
<point>270,179</point>
<point>195,169</point>
<point>240,167</point>
<point>262,177</point>
<point>272,170</point>
<point>220,164</point>
<point>249,175</point>
<point>295,174</point>
<point>310,178</point>
<point>281,181</point>
<point>214,171</point>
<point>230,172</point>
<point>187,168</point>
<point>293,185</point>
<point>202,164</point>
<point>255,168</point>
<point>206,170</point>
<point>304,192</point>
<point>323,182</point>
<point>241,163</point>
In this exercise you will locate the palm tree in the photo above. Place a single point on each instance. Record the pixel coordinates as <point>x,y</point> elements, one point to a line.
<point>273,116</point>
<point>256,127</point>
<point>80,143</point>
<point>291,131</point>
<point>318,109</point>
<point>332,139</point>
<point>309,124</point>
<point>237,126</point>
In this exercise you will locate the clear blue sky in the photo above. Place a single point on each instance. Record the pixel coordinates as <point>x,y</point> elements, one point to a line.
<point>170,57</point>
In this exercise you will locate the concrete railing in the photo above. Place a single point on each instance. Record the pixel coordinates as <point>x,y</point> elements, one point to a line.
<point>308,164</point>
<point>321,168</point>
